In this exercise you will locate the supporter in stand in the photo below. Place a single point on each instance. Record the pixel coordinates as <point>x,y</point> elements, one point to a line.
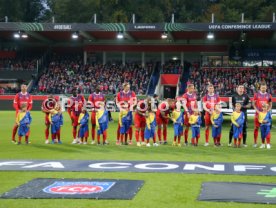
<point>225,80</point>
<point>17,64</point>
<point>61,77</point>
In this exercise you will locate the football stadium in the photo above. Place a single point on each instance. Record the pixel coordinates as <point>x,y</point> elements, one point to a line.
<point>137,103</point>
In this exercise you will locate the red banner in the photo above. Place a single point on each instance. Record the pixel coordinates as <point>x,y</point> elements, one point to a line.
<point>7,54</point>
<point>169,79</point>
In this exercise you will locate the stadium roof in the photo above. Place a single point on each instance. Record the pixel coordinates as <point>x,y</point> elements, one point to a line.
<point>180,36</point>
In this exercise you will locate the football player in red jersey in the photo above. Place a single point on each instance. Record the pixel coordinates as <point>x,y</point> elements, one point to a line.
<point>140,122</point>
<point>47,105</point>
<point>125,95</point>
<point>260,98</point>
<point>189,104</point>
<point>162,119</point>
<point>94,99</point>
<point>19,99</point>
<point>75,104</point>
<point>209,102</point>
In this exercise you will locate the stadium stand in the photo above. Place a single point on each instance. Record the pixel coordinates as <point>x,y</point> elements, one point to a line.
<point>65,72</point>
<point>172,67</point>
<point>61,77</point>
<point>226,79</point>
<point>15,71</point>
<point>17,64</point>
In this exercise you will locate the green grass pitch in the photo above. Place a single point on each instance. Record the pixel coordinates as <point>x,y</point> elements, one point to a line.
<point>160,189</point>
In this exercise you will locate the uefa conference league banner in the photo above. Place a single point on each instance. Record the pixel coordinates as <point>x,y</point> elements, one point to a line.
<point>121,27</point>
<point>139,166</point>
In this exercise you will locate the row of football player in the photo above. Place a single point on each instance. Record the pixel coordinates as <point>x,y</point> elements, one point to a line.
<point>162,117</point>
<point>23,120</point>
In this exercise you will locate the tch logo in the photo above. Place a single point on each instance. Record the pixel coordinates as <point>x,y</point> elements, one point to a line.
<point>82,187</point>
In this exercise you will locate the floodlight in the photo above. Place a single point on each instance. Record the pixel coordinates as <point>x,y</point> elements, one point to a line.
<point>210,36</point>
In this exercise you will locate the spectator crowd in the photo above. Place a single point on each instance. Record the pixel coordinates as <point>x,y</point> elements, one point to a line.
<point>172,67</point>
<point>8,90</point>
<point>226,80</point>
<point>62,76</point>
<point>17,64</point>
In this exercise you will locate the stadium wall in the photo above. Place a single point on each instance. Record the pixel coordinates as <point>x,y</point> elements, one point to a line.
<point>24,75</point>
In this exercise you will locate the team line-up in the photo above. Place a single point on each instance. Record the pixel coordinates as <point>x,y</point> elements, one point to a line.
<point>148,118</point>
